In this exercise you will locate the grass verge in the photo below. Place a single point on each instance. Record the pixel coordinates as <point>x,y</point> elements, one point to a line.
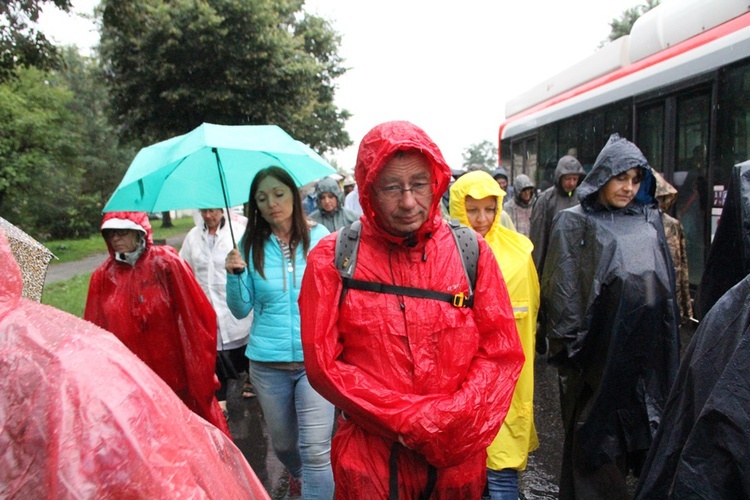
<point>70,250</point>
<point>69,295</point>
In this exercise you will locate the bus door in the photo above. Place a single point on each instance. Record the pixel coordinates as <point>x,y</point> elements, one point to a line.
<point>673,133</point>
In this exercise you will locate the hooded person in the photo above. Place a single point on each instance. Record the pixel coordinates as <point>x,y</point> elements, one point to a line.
<point>568,175</point>
<point>501,177</point>
<point>423,384</point>
<point>611,318</point>
<point>148,297</point>
<point>331,212</point>
<point>82,417</point>
<point>519,206</point>
<point>665,196</point>
<point>728,260</point>
<point>700,448</point>
<point>476,201</point>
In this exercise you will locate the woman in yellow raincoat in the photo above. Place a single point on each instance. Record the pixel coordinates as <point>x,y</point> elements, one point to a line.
<point>476,200</point>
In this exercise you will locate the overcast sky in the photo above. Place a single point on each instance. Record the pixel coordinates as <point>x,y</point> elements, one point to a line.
<point>448,67</point>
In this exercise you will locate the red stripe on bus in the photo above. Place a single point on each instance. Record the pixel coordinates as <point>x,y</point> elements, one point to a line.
<point>692,43</point>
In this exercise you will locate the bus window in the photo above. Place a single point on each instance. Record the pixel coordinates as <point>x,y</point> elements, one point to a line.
<point>733,144</point>
<point>570,137</point>
<point>548,157</point>
<point>650,138</point>
<point>524,157</point>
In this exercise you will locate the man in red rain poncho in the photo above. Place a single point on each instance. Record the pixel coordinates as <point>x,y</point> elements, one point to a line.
<point>82,417</point>
<point>421,383</point>
<point>149,298</point>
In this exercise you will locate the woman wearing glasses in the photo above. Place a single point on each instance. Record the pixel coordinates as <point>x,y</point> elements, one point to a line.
<point>265,277</point>
<point>148,297</point>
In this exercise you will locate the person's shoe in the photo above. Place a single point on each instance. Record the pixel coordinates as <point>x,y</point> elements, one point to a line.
<point>295,488</point>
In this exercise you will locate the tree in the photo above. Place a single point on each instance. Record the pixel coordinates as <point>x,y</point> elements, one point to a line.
<point>623,25</point>
<point>40,174</point>
<point>104,157</point>
<point>174,64</point>
<point>21,44</point>
<point>60,159</point>
<point>482,155</point>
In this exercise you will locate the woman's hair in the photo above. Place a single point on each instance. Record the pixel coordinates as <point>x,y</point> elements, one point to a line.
<point>259,230</point>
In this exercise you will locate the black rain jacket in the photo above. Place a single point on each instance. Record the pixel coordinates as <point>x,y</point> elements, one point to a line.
<point>701,448</point>
<point>729,256</point>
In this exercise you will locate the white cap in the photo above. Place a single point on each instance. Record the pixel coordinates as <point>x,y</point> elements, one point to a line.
<point>115,223</point>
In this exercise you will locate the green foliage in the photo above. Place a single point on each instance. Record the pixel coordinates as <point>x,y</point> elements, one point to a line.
<point>482,155</point>
<point>60,159</point>
<point>39,174</point>
<point>172,65</point>
<point>623,25</point>
<point>103,157</point>
<point>69,295</point>
<point>21,44</point>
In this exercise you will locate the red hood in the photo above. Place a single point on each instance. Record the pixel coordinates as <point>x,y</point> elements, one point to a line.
<point>376,148</point>
<point>140,219</point>
<point>11,285</point>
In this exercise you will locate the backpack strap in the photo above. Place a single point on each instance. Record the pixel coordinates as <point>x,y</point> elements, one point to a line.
<point>466,241</point>
<point>347,244</point>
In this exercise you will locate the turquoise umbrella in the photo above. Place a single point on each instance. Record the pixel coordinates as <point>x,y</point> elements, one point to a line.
<point>210,167</point>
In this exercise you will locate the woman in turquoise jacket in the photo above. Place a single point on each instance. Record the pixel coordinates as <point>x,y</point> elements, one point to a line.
<point>276,243</point>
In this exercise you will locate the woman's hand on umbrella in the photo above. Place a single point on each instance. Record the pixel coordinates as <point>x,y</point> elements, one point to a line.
<point>234,263</point>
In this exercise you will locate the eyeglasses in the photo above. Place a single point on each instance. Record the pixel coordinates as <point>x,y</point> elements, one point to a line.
<point>395,192</point>
<point>110,233</point>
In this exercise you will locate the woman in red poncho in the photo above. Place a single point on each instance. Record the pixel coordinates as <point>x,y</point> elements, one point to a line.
<point>148,297</point>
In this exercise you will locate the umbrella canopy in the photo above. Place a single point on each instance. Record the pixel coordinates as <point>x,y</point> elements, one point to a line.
<point>198,169</point>
<point>33,258</point>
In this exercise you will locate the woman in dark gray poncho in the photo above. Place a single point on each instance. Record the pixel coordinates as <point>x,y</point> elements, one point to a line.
<point>609,307</point>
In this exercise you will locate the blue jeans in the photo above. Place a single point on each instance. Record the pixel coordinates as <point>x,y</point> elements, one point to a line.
<point>300,423</point>
<point>503,484</point>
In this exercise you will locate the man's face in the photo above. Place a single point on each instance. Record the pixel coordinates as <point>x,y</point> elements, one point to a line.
<point>403,192</point>
<point>328,202</point>
<point>569,182</point>
<point>212,218</point>
<point>503,182</point>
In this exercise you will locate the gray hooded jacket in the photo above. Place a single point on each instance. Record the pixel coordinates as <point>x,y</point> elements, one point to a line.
<point>338,218</point>
<point>518,210</point>
<point>551,201</point>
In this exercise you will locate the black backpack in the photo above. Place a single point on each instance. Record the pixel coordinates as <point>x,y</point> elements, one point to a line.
<point>347,243</point>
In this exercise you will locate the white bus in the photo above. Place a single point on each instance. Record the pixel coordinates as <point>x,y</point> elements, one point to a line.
<point>678,86</point>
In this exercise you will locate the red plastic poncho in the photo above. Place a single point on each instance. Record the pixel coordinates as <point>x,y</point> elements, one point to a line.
<point>437,377</point>
<point>159,311</point>
<point>82,417</point>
